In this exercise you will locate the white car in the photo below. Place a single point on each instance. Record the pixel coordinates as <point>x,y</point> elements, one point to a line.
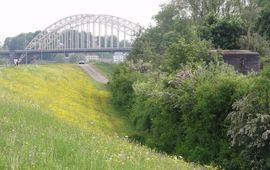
<point>81,62</point>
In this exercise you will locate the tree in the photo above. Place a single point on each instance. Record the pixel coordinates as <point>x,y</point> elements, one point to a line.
<point>250,14</point>
<point>264,3</point>
<point>20,41</point>
<point>223,32</point>
<point>121,86</point>
<point>199,9</point>
<point>75,58</point>
<point>183,52</point>
<point>151,45</point>
<point>263,23</point>
<point>165,18</point>
<point>143,48</point>
<point>256,42</point>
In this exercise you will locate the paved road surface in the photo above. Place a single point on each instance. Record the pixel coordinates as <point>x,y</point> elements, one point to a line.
<point>91,71</point>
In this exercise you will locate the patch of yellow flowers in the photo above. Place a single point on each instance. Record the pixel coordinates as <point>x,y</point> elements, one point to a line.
<point>66,92</point>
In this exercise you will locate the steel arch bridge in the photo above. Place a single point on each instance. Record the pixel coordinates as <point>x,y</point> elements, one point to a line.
<point>85,33</point>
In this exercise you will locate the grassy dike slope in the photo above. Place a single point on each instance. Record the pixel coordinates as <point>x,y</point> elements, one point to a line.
<point>55,117</point>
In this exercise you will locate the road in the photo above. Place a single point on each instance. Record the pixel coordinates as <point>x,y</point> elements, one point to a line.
<point>95,74</point>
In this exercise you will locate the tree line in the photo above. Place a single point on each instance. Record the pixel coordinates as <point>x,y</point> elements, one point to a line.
<point>186,102</point>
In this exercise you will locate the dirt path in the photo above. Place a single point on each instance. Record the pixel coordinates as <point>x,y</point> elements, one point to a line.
<point>91,71</point>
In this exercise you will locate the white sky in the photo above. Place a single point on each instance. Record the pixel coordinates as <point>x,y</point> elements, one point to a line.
<point>18,16</point>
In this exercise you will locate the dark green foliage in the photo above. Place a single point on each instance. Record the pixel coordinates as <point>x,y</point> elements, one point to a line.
<point>184,113</point>
<point>152,45</point>
<point>223,32</point>
<point>206,100</point>
<point>263,23</point>
<point>182,52</point>
<point>150,110</point>
<point>144,47</point>
<point>180,97</point>
<point>121,86</point>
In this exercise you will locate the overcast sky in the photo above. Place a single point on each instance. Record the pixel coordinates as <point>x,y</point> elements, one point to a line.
<point>17,16</point>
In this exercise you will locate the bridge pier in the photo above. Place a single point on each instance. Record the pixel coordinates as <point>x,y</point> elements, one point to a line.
<point>41,55</point>
<point>26,58</point>
<point>12,56</point>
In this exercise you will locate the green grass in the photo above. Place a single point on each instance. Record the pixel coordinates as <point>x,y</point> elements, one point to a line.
<point>105,68</point>
<point>53,117</point>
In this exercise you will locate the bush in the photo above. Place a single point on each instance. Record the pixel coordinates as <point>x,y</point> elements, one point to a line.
<point>250,123</point>
<point>256,43</point>
<point>121,86</point>
<point>184,52</point>
<point>184,113</point>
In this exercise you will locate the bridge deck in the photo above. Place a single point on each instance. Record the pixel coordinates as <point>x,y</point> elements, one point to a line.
<point>64,51</point>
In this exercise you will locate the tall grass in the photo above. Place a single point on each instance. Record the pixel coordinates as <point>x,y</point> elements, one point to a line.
<point>53,117</point>
<point>67,92</point>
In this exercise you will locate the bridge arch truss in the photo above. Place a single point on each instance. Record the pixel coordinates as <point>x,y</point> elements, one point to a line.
<point>86,31</point>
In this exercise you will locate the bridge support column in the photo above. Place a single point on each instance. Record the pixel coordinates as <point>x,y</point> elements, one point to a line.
<point>124,37</point>
<point>99,35</point>
<point>105,39</point>
<point>11,57</point>
<point>41,57</point>
<point>26,57</point>
<point>94,34</point>
<point>118,32</point>
<point>112,36</point>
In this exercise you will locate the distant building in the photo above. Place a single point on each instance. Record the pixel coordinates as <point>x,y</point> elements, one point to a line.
<point>243,61</point>
<point>92,58</point>
<point>119,57</point>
